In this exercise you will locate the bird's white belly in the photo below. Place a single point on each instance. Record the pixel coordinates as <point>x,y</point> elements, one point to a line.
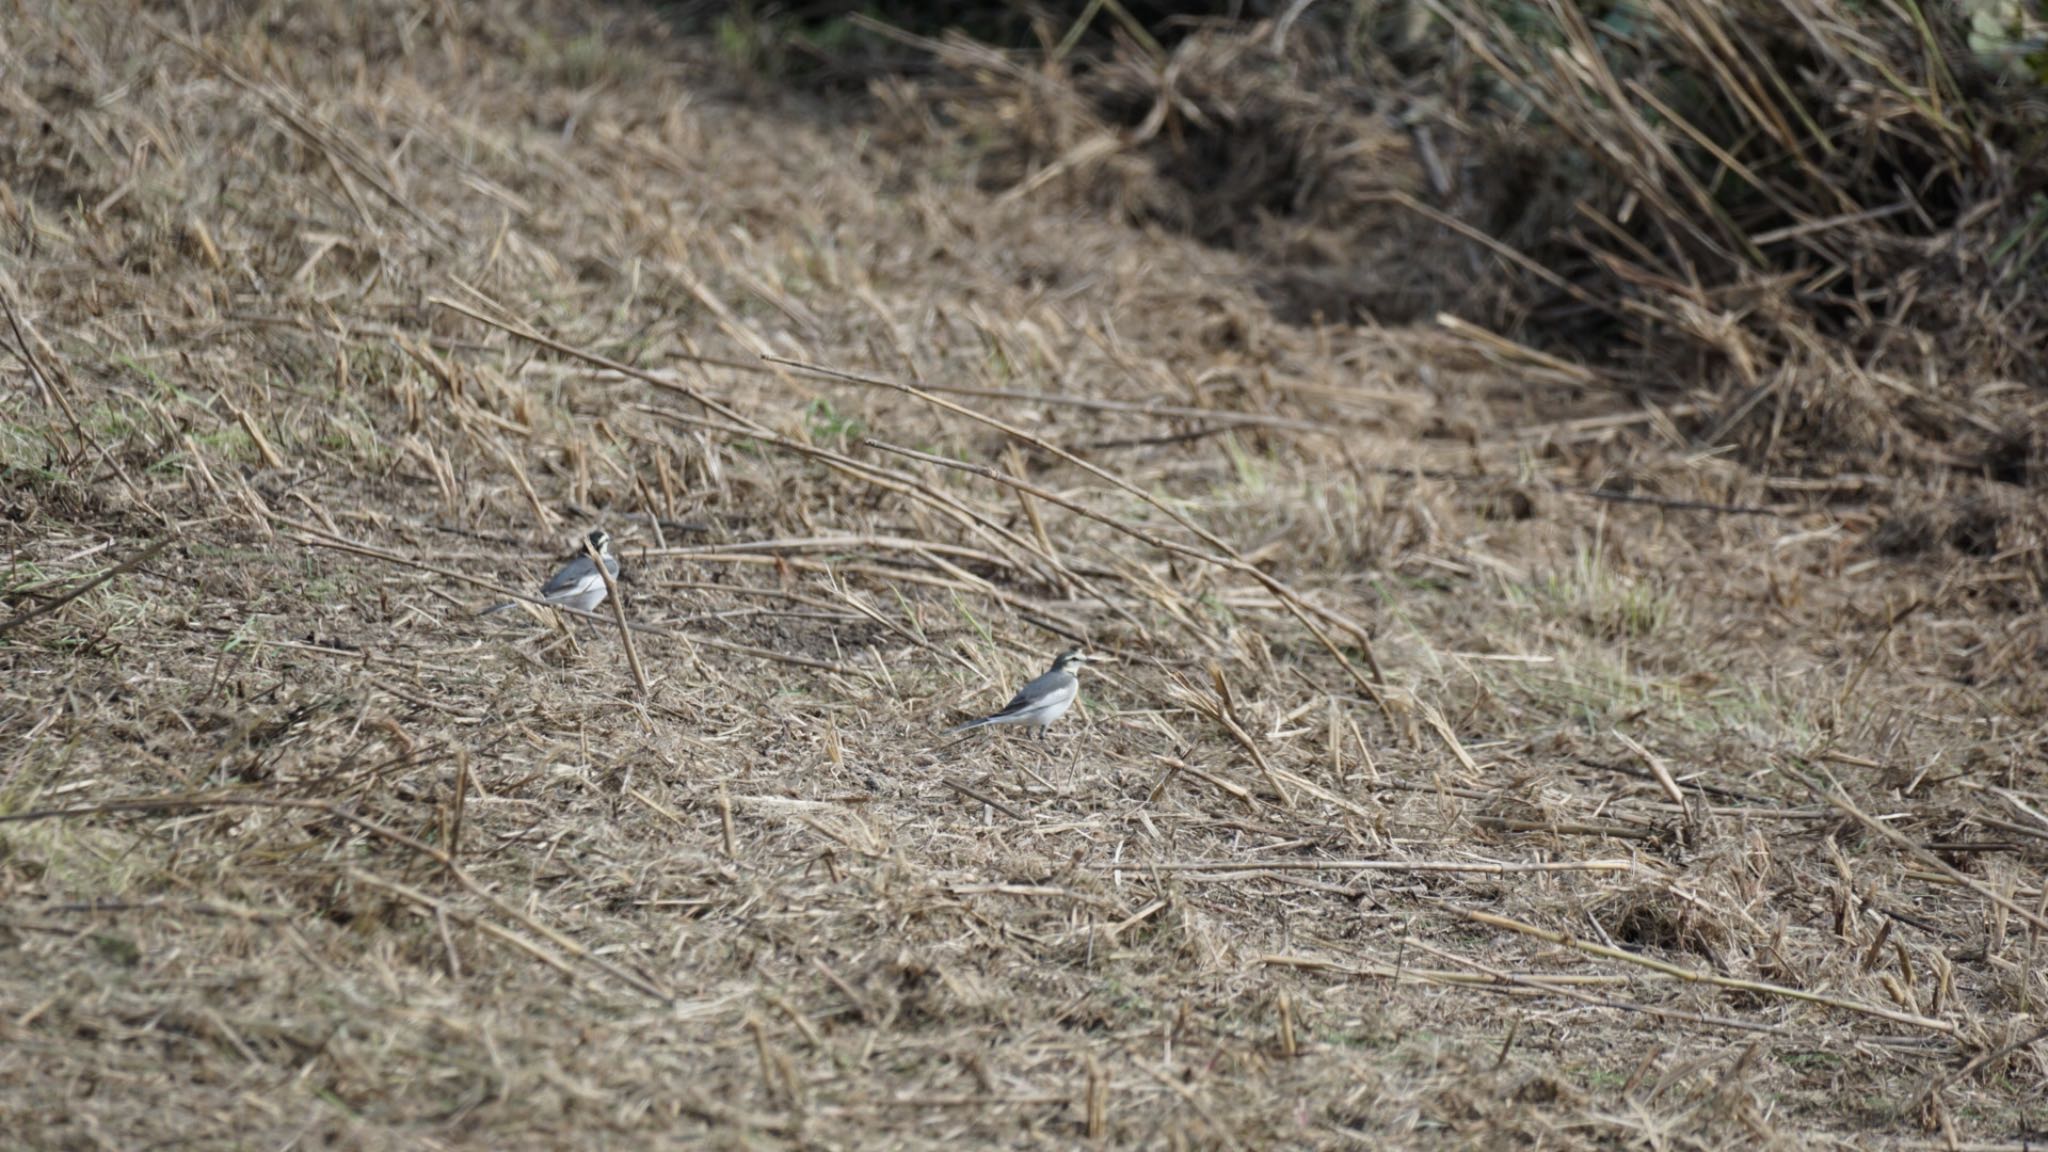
<point>584,596</point>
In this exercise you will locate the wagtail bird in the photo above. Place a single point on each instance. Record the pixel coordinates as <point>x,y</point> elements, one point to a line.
<point>578,584</point>
<point>1042,701</point>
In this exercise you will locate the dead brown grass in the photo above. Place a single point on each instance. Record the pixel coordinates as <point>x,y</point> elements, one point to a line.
<point>1689,805</point>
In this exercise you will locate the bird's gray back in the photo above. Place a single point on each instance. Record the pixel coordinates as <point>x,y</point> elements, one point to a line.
<point>1046,687</point>
<point>576,572</point>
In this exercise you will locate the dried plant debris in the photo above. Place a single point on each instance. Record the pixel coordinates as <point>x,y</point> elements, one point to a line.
<point>1478,755</point>
<point>1818,223</point>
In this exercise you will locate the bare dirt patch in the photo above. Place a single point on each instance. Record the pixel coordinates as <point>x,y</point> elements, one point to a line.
<point>1481,765</point>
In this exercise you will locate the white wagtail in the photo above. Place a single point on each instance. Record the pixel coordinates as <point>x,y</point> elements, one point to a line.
<point>1042,701</point>
<point>577,584</point>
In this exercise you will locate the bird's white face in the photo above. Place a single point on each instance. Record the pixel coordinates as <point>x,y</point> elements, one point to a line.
<point>600,541</point>
<point>1069,661</point>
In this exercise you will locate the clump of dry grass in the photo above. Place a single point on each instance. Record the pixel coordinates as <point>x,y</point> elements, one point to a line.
<point>1836,202</point>
<point>1410,811</point>
<point>1230,136</point>
<point>1821,219</point>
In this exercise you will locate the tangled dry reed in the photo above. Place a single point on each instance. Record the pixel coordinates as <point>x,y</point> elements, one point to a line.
<point>1482,763</point>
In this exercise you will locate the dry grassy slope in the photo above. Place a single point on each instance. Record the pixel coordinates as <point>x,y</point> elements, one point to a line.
<point>457,882</point>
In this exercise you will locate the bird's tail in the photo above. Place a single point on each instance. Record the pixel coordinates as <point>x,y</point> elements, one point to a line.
<point>970,724</point>
<point>497,608</point>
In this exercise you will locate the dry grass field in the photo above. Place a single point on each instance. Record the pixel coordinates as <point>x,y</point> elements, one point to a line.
<point>1495,753</point>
